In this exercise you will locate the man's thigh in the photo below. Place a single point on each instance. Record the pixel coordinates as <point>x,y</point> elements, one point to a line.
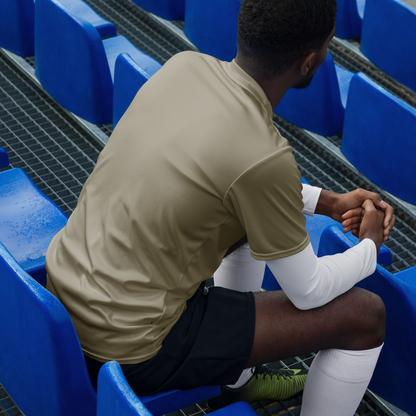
<point>354,321</point>
<point>209,345</point>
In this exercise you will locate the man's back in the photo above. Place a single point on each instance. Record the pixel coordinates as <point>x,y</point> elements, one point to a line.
<point>164,204</point>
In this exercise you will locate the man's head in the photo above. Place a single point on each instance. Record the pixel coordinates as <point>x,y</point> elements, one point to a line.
<point>274,34</point>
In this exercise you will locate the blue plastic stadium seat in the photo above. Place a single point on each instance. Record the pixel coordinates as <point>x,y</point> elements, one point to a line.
<point>115,397</point>
<point>128,79</point>
<point>315,226</point>
<point>41,363</point>
<point>17,19</point>
<point>81,9</point>
<point>378,137</point>
<point>393,378</point>
<point>388,38</point>
<point>168,9</point>
<point>349,20</point>
<point>212,26</point>
<point>28,221</point>
<point>4,158</point>
<point>73,63</point>
<point>319,108</point>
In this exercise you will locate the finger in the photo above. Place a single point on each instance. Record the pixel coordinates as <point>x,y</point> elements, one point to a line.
<point>368,205</point>
<point>352,221</point>
<point>389,217</point>
<point>354,228</point>
<point>379,203</point>
<point>356,212</point>
<point>376,198</point>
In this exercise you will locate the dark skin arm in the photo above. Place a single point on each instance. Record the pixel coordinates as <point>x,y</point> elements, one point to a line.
<point>348,209</point>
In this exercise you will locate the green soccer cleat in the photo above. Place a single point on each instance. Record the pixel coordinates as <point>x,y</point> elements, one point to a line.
<point>266,384</point>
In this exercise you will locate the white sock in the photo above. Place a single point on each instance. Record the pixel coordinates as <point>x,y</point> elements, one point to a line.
<point>244,377</point>
<point>337,381</point>
<point>239,271</point>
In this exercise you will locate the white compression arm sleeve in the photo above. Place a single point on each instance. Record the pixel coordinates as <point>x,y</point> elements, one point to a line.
<point>310,282</point>
<point>310,196</point>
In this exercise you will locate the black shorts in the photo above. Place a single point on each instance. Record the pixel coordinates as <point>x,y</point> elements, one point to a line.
<point>209,345</point>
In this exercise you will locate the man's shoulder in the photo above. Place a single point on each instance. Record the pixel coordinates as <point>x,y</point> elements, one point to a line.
<point>192,58</point>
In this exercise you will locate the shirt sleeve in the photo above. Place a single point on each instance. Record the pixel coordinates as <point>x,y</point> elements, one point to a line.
<point>267,200</point>
<point>310,281</point>
<point>310,197</point>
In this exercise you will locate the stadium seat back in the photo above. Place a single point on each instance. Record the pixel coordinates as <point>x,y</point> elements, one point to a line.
<point>319,108</point>
<point>82,9</point>
<point>115,397</point>
<point>168,9</point>
<point>41,363</point>
<point>71,62</point>
<point>4,158</point>
<point>378,137</point>
<point>17,18</point>
<point>28,221</point>
<point>349,18</point>
<point>129,77</point>
<point>212,26</point>
<point>388,38</point>
<point>393,377</point>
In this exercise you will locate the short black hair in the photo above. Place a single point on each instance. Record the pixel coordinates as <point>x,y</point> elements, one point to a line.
<point>273,34</point>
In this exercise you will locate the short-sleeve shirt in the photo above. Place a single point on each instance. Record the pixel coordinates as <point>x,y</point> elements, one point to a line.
<point>194,164</point>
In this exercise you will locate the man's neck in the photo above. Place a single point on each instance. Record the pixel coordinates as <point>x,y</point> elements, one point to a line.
<point>274,88</point>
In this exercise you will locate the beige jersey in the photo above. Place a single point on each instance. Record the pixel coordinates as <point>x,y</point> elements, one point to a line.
<point>194,164</point>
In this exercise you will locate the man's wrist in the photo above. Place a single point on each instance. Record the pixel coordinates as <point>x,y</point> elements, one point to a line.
<point>326,203</point>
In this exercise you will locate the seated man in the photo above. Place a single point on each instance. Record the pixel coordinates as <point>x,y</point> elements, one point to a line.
<point>194,165</point>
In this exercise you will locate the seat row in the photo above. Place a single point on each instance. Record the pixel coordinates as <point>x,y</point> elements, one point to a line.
<point>97,79</point>
<point>388,33</point>
<point>387,29</point>
<point>75,53</point>
<point>377,128</point>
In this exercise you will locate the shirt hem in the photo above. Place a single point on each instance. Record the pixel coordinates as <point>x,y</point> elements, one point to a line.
<point>282,254</point>
<point>121,360</point>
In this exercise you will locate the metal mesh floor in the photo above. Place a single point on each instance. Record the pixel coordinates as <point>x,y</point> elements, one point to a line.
<point>292,407</point>
<point>7,406</point>
<point>368,407</point>
<point>143,31</point>
<point>56,153</point>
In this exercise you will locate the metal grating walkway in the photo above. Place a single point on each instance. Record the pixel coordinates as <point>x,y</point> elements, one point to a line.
<point>59,154</point>
<point>43,140</point>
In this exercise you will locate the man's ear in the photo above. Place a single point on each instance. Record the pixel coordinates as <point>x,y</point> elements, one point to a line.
<point>306,63</point>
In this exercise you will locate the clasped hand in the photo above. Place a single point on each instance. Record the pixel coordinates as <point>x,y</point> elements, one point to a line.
<point>362,212</point>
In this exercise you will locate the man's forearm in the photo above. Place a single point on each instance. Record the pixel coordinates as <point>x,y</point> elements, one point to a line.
<point>326,203</point>
<point>310,282</point>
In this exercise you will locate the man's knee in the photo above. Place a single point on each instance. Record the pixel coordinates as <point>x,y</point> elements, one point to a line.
<point>371,316</point>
